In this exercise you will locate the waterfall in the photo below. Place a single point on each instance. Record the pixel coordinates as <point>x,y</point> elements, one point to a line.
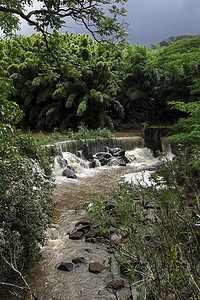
<point>98,145</point>
<point>166,148</point>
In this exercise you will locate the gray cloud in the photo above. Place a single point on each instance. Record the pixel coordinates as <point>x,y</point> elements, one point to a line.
<point>154,20</point>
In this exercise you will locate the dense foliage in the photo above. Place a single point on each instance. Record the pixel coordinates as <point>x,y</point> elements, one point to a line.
<point>96,84</point>
<point>100,17</point>
<point>159,223</point>
<point>25,184</point>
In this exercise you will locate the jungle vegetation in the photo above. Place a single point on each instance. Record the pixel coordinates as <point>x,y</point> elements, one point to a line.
<point>97,84</point>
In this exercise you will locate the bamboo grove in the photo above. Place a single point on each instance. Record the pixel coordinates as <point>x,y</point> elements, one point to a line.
<point>73,80</point>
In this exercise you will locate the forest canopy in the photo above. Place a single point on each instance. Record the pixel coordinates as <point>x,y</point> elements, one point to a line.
<point>99,85</point>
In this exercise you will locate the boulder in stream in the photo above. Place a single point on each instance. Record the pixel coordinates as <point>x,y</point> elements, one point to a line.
<point>116,151</point>
<point>116,284</point>
<point>69,173</point>
<point>78,260</point>
<point>103,157</point>
<point>75,234</point>
<point>96,267</point>
<point>65,266</point>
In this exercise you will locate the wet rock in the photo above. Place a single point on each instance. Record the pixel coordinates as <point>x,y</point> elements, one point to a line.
<point>78,260</point>
<point>62,162</point>
<point>92,233</point>
<point>83,222</point>
<point>116,151</point>
<point>69,173</point>
<point>88,250</point>
<point>83,228</point>
<point>65,266</point>
<point>75,234</point>
<point>117,162</point>
<point>94,163</point>
<point>91,239</point>
<point>103,157</point>
<point>96,267</point>
<point>116,284</point>
<point>110,249</point>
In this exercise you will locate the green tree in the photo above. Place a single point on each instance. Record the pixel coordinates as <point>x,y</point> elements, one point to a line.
<point>52,14</point>
<point>25,184</point>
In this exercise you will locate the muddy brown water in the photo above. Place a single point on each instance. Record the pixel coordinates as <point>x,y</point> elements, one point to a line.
<point>70,195</point>
<point>49,283</point>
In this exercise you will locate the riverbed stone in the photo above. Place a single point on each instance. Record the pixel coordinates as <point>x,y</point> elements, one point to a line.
<point>78,260</point>
<point>69,173</point>
<point>75,234</point>
<point>91,233</point>
<point>116,151</point>
<point>82,222</point>
<point>96,267</point>
<point>116,284</point>
<point>62,162</point>
<point>65,266</point>
<point>103,157</point>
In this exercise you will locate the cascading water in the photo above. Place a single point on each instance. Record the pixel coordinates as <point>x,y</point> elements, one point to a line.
<point>49,283</point>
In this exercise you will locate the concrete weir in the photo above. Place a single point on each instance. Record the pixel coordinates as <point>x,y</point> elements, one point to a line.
<point>98,145</point>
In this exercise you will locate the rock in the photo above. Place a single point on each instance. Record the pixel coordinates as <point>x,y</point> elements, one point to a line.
<point>91,239</point>
<point>62,162</point>
<point>116,151</point>
<point>92,233</point>
<point>83,228</point>
<point>103,157</point>
<point>83,222</point>
<point>78,260</point>
<point>116,284</point>
<point>96,267</point>
<point>69,173</point>
<point>94,163</point>
<point>116,239</point>
<point>65,266</point>
<point>75,234</point>
<point>118,161</point>
<point>110,249</point>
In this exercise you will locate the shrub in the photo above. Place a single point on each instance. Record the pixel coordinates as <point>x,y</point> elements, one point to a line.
<point>26,187</point>
<point>160,230</point>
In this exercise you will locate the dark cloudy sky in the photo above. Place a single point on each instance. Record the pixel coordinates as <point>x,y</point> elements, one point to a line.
<point>151,21</point>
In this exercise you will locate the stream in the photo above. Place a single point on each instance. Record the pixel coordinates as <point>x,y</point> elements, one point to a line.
<point>70,196</point>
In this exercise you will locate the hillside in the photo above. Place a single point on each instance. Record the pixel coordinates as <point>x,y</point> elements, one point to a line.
<point>172,39</point>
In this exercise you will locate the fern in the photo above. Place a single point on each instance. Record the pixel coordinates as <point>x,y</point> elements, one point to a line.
<point>70,100</point>
<point>81,108</point>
